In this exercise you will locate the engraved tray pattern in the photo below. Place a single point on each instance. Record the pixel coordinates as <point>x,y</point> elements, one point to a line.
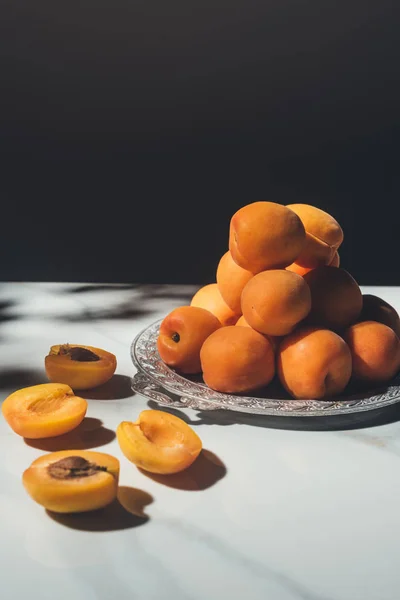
<point>155,380</point>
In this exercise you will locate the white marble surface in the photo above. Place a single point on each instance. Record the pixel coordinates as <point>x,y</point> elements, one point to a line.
<point>298,513</point>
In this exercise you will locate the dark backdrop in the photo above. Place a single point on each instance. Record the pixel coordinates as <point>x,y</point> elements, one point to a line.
<point>132,130</point>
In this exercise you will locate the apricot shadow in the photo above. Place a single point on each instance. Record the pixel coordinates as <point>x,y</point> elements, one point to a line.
<point>12,379</point>
<point>126,512</point>
<point>91,433</point>
<point>117,388</point>
<point>205,472</point>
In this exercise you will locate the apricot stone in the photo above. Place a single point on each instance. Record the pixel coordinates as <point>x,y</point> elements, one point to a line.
<point>314,363</point>
<point>209,297</point>
<point>265,235</point>
<point>336,299</point>
<point>236,360</point>
<point>375,349</point>
<point>181,336</point>
<point>275,301</point>
<point>231,280</point>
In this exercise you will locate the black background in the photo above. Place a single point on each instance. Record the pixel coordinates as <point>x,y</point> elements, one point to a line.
<point>131,131</point>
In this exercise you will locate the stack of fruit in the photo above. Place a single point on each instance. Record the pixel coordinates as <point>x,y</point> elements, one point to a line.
<point>281,306</point>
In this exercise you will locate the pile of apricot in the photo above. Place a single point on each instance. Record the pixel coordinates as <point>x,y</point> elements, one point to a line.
<point>283,308</point>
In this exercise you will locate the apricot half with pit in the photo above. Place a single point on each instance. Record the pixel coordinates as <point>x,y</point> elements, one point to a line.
<point>81,367</point>
<point>42,411</point>
<point>159,442</point>
<point>73,480</point>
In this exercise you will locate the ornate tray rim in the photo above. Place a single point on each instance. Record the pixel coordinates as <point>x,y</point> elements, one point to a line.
<point>191,394</point>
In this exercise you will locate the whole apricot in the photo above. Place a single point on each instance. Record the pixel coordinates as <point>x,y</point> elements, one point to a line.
<point>323,235</point>
<point>45,410</point>
<point>375,350</point>
<point>275,301</point>
<point>336,299</point>
<point>273,339</point>
<point>265,235</point>
<point>236,360</point>
<point>314,363</point>
<point>231,279</point>
<point>209,297</point>
<point>159,442</point>
<point>377,309</point>
<point>335,262</point>
<point>181,336</point>
<point>72,481</point>
<point>295,268</point>
<point>81,367</point>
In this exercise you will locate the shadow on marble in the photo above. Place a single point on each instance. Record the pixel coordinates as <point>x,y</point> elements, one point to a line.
<point>163,291</point>
<point>5,306</point>
<point>123,310</point>
<point>126,512</point>
<point>205,472</point>
<point>117,388</point>
<point>14,379</point>
<point>361,420</point>
<point>91,433</point>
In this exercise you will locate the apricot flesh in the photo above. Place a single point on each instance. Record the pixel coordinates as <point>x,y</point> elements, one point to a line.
<point>81,367</point>
<point>377,309</point>
<point>44,410</point>
<point>159,442</point>
<point>265,235</point>
<point>181,336</point>
<point>237,359</point>
<point>323,235</point>
<point>375,349</point>
<point>73,480</point>
<point>209,297</point>
<point>231,279</point>
<point>314,363</point>
<point>275,301</point>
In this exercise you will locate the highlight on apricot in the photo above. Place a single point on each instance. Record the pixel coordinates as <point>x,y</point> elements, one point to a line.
<point>81,367</point>
<point>45,410</point>
<point>73,481</point>
<point>159,442</point>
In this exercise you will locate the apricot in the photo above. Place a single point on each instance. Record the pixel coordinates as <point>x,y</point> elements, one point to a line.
<point>323,235</point>
<point>336,299</point>
<point>296,268</point>
<point>209,297</point>
<point>274,302</point>
<point>273,339</point>
<point>181,336</point>
<point>72,480</point>
<point>159,442</point>
<point>377,309</point>
<point>375,349</point>
<point>81,367</point>
<point>314,363</point>
<point>236,360</point>
<point>231,279</point>
<point>335,262</point>
<point>265,235</point>
<point>42,411</point>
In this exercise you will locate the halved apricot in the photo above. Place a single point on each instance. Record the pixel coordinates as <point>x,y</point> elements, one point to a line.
<point>45,410</point>
<point>81,367</point>
<point>73,480</point>
<point>159,442</point>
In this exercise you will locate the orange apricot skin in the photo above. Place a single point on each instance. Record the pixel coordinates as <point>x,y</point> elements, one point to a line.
<point>209,297</point>
<point>377,309</point>
<point>296,268</point>
<point>45,410</point>
<point>159,442</point>
<point>375,349</point>
<point>265,235</point>
<point>80,375</point>
<point>314,363</point>
<point>71,496</point>
<point>275,301</point>
<point>231,279</point>
<point>274,339</point>
<point>237,360</point>
<point>192,325</point>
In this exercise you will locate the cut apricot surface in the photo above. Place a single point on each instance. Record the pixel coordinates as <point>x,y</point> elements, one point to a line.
<point>73,480</point>
<point>81,367</point>
<point>159,442</point>
<point>43,411</point>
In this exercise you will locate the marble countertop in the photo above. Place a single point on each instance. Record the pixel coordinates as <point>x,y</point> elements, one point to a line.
<point>273,511</point>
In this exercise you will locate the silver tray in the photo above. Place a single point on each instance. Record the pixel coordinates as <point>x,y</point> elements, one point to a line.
<point>155,380</point>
